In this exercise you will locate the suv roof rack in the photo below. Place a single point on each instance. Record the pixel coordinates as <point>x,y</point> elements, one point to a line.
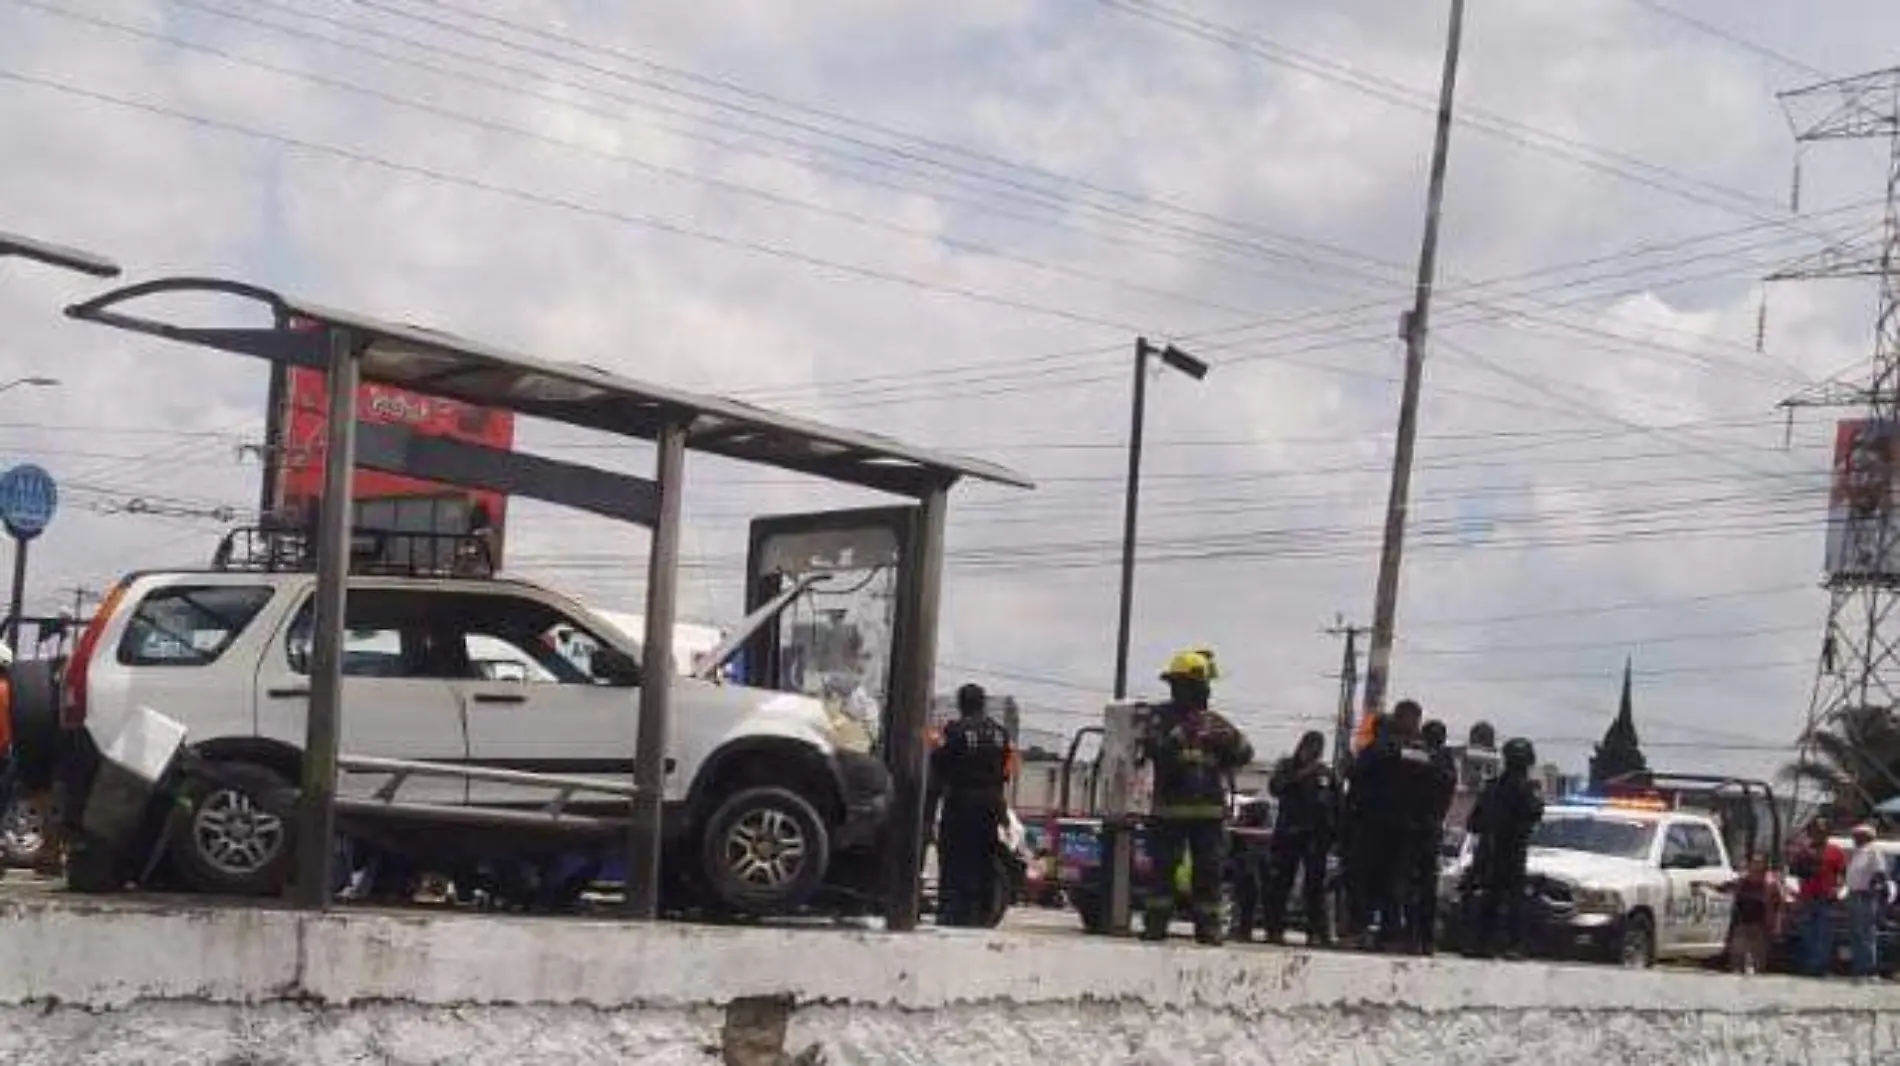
<point>271,548</point>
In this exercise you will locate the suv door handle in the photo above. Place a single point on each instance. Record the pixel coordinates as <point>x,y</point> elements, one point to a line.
<point>287,693</point>
<point>499,697</point>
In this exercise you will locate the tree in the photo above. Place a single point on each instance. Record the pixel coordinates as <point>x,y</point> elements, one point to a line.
<point>1620,753</point>
<point>1854,757</point>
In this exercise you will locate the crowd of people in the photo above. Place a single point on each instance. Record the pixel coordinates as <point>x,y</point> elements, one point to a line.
<point>1383,822</point>
<point>1373,826</point>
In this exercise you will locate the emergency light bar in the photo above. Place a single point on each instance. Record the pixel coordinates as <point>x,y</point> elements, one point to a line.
<point>1617,803</point>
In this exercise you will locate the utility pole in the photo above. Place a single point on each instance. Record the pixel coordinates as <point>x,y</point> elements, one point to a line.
<point>1859,671</point>
<point>1348,686</point>
<point>1414,326</point>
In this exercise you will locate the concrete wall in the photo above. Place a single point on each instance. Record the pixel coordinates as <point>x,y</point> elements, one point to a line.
<point>159,984</point>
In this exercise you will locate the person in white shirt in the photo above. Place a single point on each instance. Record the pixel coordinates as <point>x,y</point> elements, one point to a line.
<point>1866,885</point>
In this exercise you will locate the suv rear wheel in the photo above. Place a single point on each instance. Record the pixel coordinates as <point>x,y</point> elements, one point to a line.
<point>765,850</point>
<point>227,841</point>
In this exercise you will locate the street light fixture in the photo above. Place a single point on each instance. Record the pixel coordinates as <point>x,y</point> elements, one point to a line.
<point>57,255</point>
<point>1194,368</point>
<point>32,382</point>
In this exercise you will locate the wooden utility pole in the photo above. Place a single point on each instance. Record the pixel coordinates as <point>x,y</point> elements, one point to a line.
<point>1414,328</point>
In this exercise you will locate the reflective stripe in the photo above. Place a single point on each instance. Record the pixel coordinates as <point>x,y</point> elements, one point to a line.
<point>1190,810</point>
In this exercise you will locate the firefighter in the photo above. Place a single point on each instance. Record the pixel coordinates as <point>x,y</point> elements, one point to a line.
<point>1302,838</point>
<point>1507,811</point>
<point>1192,750</point>
<point>968,772</point>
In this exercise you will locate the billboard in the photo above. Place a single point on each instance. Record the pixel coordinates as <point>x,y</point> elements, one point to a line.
<point>390,501</point>
<point>1861,537</point>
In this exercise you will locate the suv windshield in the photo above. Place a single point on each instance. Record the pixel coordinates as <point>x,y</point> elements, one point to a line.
<point>1598,836</point>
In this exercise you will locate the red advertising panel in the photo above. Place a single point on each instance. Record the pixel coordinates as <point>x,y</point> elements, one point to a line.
<point>1863,539</point>
<point>389,501</point>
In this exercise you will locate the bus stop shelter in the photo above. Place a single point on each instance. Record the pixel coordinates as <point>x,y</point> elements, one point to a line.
<point>352,348</point>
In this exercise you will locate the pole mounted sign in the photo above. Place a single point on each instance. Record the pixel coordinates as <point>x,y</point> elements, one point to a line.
<point>28,498</point>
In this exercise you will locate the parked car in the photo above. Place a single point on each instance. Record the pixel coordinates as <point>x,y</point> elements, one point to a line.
<point>768,798</point>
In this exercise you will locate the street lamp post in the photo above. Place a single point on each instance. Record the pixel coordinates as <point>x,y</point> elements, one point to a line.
<point>1194,368</point>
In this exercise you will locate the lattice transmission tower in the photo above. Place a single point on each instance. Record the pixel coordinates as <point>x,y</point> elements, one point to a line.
<point>1860,652</point>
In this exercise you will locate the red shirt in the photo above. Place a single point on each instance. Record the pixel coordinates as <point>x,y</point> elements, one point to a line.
<point>1829,868</point>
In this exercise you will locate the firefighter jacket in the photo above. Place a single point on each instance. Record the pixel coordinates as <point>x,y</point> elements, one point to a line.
<point>1192,753</point>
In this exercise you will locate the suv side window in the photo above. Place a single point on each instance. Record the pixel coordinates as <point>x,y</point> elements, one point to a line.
<point>512,638</point>
<point>387,633</point>
<point>1676,846</point>
<point>189,625</point>
<point>1702,844</point>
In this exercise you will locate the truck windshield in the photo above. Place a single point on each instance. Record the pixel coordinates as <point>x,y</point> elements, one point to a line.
<point>1598,836</point>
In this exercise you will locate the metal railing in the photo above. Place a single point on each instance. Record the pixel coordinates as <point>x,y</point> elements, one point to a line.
<point>553,814</point>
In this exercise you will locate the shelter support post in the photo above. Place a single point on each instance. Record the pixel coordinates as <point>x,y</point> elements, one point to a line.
<point>656,681</point>
<point>913,681</point>
<point>316,809</point>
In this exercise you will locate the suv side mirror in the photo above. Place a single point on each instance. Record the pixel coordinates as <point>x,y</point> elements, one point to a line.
<point>614,667</point>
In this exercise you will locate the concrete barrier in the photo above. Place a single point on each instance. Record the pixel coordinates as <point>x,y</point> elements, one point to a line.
<point>124,981</point>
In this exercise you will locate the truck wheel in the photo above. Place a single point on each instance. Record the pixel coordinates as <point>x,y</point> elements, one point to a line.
<point>1636,948</point>
<point>765,851</point>
<point>226,842</point>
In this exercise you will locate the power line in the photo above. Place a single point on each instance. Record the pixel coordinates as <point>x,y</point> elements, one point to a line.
<point>512,192</point>
<point>1489,123</point>
<point>1732,38</point>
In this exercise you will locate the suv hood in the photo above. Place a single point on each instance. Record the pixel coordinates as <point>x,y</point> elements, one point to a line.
<point>1583,868</point>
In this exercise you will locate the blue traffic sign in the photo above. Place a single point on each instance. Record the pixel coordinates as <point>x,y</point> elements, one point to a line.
<point>28,498</point>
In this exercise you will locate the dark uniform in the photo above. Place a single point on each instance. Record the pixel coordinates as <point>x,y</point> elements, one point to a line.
<point>1432,775</point>
<point>1192,751</point>
<point>1507,811</point>
<point>968,773</point>
<point>1378,838</point>
<point>1250,865</point>
<point>1302,838</point>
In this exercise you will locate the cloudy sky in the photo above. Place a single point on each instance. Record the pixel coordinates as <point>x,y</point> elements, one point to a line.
<point>949,221</point>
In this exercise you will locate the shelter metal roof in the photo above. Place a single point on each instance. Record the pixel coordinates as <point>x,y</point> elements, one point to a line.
<point>440,364</point>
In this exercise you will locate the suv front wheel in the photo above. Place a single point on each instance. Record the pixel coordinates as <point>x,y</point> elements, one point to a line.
<point>228,841</point>
<point>765,850</point>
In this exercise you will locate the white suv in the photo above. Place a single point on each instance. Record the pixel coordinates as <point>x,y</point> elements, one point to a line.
<point>767,793</point>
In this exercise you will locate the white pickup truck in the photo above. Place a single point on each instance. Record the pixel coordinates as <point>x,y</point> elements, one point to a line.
<point>768,794</point>
<point>1627,882</point>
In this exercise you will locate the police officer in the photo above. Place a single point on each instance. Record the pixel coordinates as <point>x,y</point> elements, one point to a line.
<point>1302,838</point>
<point>1507,811</point>
<point>968,771</point>
<point>1437,782</point>
<point>1385,826</point>
<point>1192,751</point>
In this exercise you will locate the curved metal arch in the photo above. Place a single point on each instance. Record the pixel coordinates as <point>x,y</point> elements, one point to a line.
<point>277,342</point>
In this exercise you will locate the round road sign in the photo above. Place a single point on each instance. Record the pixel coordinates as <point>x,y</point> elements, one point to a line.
<point>28,498</point>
